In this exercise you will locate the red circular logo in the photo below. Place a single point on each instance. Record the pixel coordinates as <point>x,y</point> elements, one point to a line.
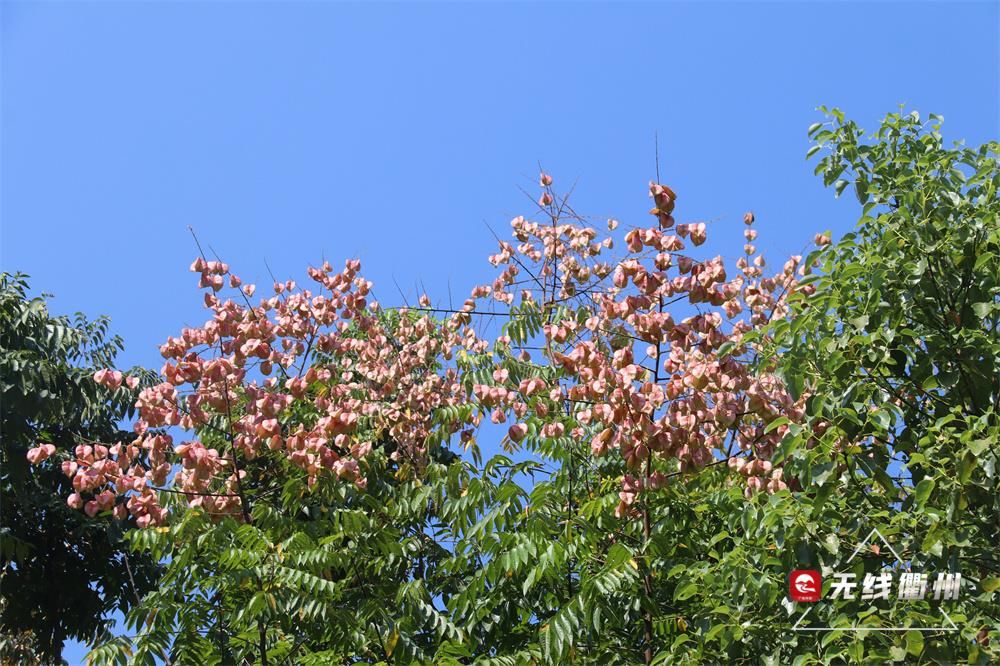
<point>805,585</point>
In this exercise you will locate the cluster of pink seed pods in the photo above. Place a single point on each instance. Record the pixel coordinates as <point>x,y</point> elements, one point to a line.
<point>669,391</point>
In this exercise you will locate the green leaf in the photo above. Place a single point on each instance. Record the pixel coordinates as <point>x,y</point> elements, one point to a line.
<point>977,446</point>
<point>982,310</point>
<point>859,322</point>
<point>861,190</point>
<point>717,538</point>
<point>795,384</point>
<point>685,592</point>
<point>726,348</point>
<point>775,424</point>
<point>923,490</point>
<point>990,584</point>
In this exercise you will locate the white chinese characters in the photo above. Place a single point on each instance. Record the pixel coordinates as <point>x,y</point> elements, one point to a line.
<point>912,586</point>
<point>946,585</point>
<point>876,586</point>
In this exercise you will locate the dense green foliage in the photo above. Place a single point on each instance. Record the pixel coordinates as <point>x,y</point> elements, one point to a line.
<point>61,573</point>
<point>332,575</point>
<point>901,348</point>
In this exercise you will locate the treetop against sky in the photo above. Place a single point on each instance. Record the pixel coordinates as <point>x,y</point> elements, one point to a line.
<point>288,135</point>
<point>419,139</point>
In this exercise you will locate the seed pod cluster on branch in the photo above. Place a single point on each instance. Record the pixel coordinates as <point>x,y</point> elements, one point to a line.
<point>649,354</point>
<point>653,354</point>
<point>317,377</point>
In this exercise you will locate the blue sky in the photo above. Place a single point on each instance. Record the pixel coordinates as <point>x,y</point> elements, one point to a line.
<point>290,132</point>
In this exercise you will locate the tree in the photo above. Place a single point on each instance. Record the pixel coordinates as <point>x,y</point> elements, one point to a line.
<point>61,574</point>
<point>299,519</point>
<point>633,382</point>
<point>287,505</point>
<point>680,435</point>
<point>900,346</point>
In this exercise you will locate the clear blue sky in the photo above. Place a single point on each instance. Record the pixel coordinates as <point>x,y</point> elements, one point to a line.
<point>289,132</point>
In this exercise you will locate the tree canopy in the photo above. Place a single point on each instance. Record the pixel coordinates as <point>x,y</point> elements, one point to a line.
<point>679,433</point>
<point>61,573</point>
